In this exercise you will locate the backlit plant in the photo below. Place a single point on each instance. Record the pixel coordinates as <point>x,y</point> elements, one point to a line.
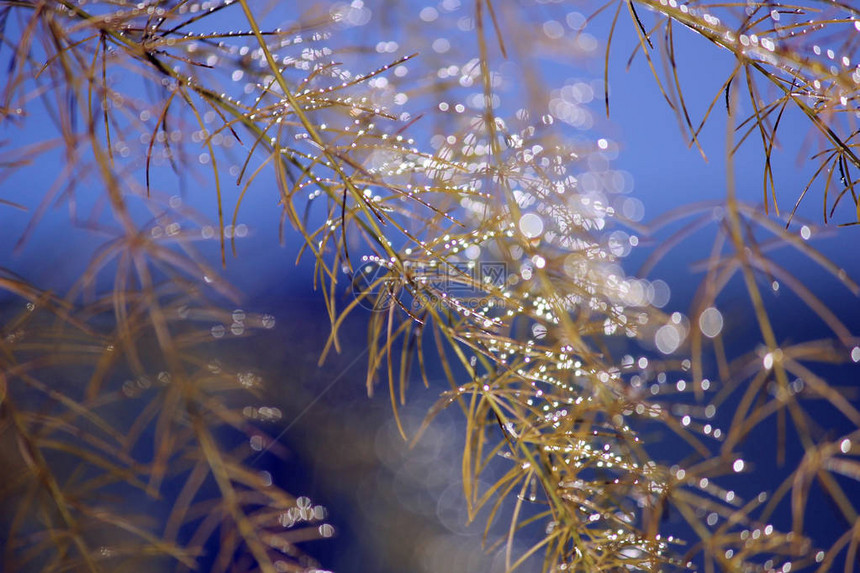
<point>446,181</point>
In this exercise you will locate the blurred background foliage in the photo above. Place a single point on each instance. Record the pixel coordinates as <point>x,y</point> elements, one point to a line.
<point>228,222</point>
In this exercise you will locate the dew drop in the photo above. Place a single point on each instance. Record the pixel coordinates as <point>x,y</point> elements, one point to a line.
<point>667,339</point>
<point>659,293</point>
<point>531,225</point>
<point>711,322</point>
